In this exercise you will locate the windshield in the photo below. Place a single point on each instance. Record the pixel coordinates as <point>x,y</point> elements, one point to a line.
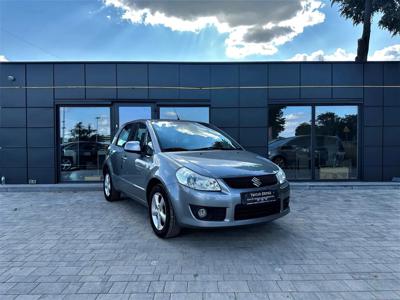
<point>191,136</point>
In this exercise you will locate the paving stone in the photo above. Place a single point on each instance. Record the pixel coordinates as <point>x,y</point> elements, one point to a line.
<point>252,296</point>
<point>141,296</point>
<point>27,297</point>
<point>113,297</point>
<point>137,287</point>
<point>175,286</point>
<point>22,288</point>
<point>95,287</point>
<point>77,297</point>
<point>219,296</point>
<point>118,287</point>
<point>49,288</point>
<point>156,286</point>
<point>202,286</point>
<point>186,296</point>
<point>233,286</point>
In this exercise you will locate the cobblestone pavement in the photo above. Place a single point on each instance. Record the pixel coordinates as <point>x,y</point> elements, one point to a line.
<point>333,245</point>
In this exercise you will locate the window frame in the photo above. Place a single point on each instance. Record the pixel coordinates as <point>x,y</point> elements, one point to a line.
<point>57,132</point>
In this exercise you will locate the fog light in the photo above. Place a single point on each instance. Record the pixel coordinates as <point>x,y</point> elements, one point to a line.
<point>202,213</point>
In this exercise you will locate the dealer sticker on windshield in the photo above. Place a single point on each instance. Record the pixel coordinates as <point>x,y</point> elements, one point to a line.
<point>257,197</point>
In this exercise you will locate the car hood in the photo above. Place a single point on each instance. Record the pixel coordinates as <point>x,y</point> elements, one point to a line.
<point>223,163</point>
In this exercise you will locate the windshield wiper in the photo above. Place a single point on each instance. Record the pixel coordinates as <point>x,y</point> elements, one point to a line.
<point>214,148</point>
<point>173,149</point>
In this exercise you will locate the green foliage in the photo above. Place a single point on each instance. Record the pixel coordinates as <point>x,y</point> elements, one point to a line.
<point>276,120</point>
<point>389,9</point>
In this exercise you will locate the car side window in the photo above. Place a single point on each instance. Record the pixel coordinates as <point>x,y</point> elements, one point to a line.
<point>142,136</point>
<point>124,135</point>
<point>140,133</point>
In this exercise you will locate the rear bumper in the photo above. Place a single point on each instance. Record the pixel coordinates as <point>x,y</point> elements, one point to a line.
<point>182,198</point>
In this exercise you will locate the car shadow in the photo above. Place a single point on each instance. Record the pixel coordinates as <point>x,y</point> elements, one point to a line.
<point>275,233</point>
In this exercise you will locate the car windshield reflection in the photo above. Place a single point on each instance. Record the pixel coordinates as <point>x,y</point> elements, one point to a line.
<point>191,136</point>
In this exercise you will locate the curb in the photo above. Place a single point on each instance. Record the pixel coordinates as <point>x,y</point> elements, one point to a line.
<point>348,186</point>
<point>63,187</point>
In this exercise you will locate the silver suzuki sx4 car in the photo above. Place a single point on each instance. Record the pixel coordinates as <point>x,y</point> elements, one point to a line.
<point>192,174</point>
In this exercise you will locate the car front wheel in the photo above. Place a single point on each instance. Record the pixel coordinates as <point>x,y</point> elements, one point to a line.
<point>110,193</point>
<point>162,215</point>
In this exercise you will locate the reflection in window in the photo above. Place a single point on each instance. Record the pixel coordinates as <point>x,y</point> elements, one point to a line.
<point>84,138</point>
<point>289,136</point>
<point>132,113</point>
<point>336,142</point>
<point>199,114</point>
<point>189,136</point>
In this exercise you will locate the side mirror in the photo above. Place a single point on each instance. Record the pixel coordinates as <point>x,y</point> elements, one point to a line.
<point>133,146</point>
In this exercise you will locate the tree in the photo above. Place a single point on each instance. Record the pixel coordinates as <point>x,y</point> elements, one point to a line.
<point>362,11</point>
<point>303,129</point>
<point>81,133</point>
<point>276,121</point>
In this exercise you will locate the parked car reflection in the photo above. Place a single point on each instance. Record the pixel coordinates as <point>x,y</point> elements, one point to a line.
<point>82,155</point>
<point>294,152</point>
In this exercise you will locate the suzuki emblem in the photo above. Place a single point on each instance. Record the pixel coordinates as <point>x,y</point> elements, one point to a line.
<point>256,181</point>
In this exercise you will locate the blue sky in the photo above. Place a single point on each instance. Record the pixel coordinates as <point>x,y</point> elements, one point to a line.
<point>67,30</point>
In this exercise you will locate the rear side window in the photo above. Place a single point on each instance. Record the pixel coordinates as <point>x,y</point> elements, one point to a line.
<point>124,135</point>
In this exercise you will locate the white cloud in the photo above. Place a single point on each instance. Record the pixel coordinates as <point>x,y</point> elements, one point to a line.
<point>388,53</point>
<point>385,54</point>
<point>3,58</point>
<point>253,26</point>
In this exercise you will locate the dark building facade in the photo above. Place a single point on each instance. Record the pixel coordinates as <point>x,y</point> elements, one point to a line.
<point>319,121</point>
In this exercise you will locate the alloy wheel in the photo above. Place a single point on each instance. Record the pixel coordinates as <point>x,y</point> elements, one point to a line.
<point>107,184</point>
<point>158,211</point>
<point>66,164</point>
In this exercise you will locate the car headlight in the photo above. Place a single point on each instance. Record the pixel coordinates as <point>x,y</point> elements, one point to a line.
<point>281,176</point>
<point>196,181</point>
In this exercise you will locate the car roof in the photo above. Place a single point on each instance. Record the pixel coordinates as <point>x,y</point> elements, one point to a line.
<point>162,120</point>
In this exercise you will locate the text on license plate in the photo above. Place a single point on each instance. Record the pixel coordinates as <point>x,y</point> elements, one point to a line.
<point>257,197</point>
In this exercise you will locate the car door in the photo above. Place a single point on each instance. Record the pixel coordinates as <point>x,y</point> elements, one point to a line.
<point>117,154</point>
<point>136,166</point>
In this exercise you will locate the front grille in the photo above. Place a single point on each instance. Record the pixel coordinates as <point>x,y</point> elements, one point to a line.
<point>247,182</point>
<point>243,212</point>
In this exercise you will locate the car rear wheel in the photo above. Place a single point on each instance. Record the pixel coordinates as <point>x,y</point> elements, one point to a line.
<point>110,193</point>
<point>66,164</point>
<point>162,215</point>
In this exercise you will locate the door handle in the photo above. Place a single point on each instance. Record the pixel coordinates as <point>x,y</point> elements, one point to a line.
<point>124,157</point>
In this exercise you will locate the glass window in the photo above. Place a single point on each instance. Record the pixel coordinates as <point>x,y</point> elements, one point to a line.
<point>289,136</point>
<point>84,139</point>
<point>336,142</point>
<point>185,136</point>
<point>198,113</point>
<point>124,135</point>
<point>132,113</point>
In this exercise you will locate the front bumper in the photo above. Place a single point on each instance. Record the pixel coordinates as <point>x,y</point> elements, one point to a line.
<point>183,197</point>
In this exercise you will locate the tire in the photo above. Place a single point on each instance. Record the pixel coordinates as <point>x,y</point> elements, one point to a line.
<point>110,193</point>
<point>167,226</point>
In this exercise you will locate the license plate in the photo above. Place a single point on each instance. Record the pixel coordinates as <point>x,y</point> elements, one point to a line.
<point>257,197</point>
